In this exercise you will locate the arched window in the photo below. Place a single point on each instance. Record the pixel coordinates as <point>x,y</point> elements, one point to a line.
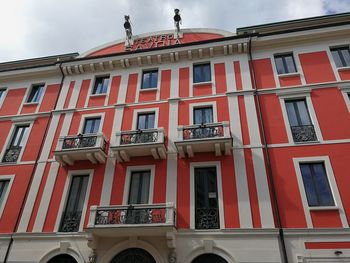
<point>209,258</point>
<point>63,258</point>
<point>133,255</point>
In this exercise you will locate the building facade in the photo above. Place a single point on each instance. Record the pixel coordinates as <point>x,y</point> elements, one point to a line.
<point>195,146</point>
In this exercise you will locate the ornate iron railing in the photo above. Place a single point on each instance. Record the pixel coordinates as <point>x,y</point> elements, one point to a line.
<point>83,141</point>
<point>304,133</point>
<point>11,155</point>
<point>207,218</point>
<point>203,131</point>
<point>139,136</point>
<point>70,222</point>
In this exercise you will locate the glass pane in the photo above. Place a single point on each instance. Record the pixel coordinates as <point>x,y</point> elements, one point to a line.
<point>105,85</point>
<point>208,115</point>
<point>88,126</point>
<point>279,65</point>
<point>3,188</point>
<point>201,73</point>
<point>197,116</point>
<point>303,113</point>
<point>206,73</point>
<point>20,136</point>
<point>1,93</point>
<point>146,80</point>
<point>154,79</point>
<point>150,121</point>
<point>134,188</point>
<point>96,125</point>
<point>309,186</point>
<point>336,58</point>
<point>81,198</point>
<point>292,116</point>
<point>324,191</point>
<point>290,64</point>
<point>144,189</point>
<point>139,188</point>
<point>141,122</point>
<point>346,57</point>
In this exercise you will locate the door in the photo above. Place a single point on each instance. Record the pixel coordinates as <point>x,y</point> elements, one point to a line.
<point>133,255</point>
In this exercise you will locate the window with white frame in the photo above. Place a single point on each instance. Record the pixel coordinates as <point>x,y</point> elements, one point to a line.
<point>2,94</point>
<point>341,56</point>
<point>285,63</point>
<point>101,85</point>
<point>139,187</point>
<point>17,142</point>
<point>300,122</point>
<point>203,115</point>
<point>4,184</point>
<point>145,120</point>
<point>149,79</point>
<point>35,93</point>
<point>72,213</point>
<point>316,184</point>
<point>92,125</point>
<point>201,73</point>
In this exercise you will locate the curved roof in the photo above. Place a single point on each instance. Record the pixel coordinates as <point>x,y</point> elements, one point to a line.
<point>157,39</point>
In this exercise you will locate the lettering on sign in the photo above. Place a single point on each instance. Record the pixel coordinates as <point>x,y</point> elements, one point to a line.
<point>155,41</point>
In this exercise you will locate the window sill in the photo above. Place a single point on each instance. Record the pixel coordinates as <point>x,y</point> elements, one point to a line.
<point>150,89</point>
<point>344,68</point>
<point>286,75</point>
<point>202,83</point>
<point>99,95</point>
<point>309,142</point>
<point>30,103</point>
<point>323,208</point>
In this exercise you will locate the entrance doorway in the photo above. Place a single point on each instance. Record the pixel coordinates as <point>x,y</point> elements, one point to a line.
<point>133,255</point>
<point>63,258</point>
<point>209,258</point>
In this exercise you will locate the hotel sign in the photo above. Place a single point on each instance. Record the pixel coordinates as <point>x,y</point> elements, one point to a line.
<point>154,42</point>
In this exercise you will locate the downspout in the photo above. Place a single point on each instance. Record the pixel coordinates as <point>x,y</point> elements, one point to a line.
<point>269,169</point>
<point>34,169</point>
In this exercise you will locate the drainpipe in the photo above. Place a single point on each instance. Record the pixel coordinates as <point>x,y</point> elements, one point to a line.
<point>269,169</point>
<point>33,170</point>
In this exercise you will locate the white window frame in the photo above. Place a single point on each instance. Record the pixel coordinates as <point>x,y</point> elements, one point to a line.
<point>139,82</point>
<point>202,105</point>
<point>129,171</point>
<point>332,183</point>
<point>296,73</point>
<point>293,94</point>
<point>211,63</point>
<point>345,92</point>
<point>64,199</point>
<point>92,85</point>
<point>136,113</point>
<point>88,116</point>
<point>10,135</point>
<point>2,98</point>
<point>8,190</point>
<point>30,90</point>
<point>217,165</point>
<point>332,59</point>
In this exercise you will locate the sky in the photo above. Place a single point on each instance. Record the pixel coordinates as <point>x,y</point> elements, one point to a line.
<point>37,28</point>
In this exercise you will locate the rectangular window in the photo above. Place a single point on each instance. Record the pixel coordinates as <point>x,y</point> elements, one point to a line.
<point>206,198</point>
<point>285,64</point>
<point>75,203</point>
<point>17,142</point>
<point>149,79</point>
<point>139,187</point>
<point>145,120</point>
<point>3,188</point>
<point>203,115</point>
<point>201,73</point>
<point>341,56</point>
<point>318,191</point>
<point>300,122</point>
<point>2,94</point>
<point>92,125</point>
<point>35,93</point>
<point>101,85</point>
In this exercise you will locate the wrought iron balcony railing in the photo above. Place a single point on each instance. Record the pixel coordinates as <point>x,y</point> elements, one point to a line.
<point>304,133</point>
<point>140,136</point>
<point>70,222</point>
<point>207,218</point>
<point>132,215</point>
<point>204,131</point>
<point>11,155</point>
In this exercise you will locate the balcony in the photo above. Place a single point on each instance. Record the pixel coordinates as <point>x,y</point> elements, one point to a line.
<point>148,142</point>
<point>132,220</point>
<point>211,137</point>
<point>11,155</point>
<point>304,133</point>
<point>92,147</point>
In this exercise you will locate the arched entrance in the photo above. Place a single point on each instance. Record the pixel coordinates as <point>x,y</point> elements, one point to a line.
<point>63,258</point>
<point>209,258</point>
<point>133,255</point>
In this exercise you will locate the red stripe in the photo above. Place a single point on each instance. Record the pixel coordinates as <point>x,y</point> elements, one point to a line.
<point>326,245</point>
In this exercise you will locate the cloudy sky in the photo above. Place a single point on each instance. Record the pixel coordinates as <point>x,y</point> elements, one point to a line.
<point>34,28</point>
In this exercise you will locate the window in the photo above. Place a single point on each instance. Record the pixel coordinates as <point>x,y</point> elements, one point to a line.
<point>35,93</point>
<point>3,188</point>
<point>318,191</point>
<point>149,79</point>
<point>300,122</point>
<point>201,73</point>
<point>203,115</point>
<point>17,142</point>
<point>139,187</point>
<point>2,94</point>
<point>341,56</point>
<point>101,85</point>
<point>92,125</point>
<point>74,207</point>
<point>285,64</point>
<point>145,120</point>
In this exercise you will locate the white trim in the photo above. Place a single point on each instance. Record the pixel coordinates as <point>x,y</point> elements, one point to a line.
<point>26,96</point>
<point>9,178</point>
<point>231,83</point>
<point>332,184</point>
<point>92,85</point>
<point>75,93</point>
<point>217,165</point>
<point>140,79</point>
<point>333,65</point>
<point>64,199</point>
<point>174,82</point>
<point>215,250</point>
<point>245,73</point>
<point>3,96</point>
<point>63,94</point>
<point>123,87</point>
<point>89,116</point>
<point>201,105</point>
<point>57,251</point>
<point>198,84</point>
<point>136,112</point>
<point>129,171</point>
<point>346,95</point>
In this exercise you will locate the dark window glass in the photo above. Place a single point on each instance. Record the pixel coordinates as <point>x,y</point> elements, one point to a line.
<point>201,73</point>
<point>2,93</point>
<point>316,184</point>
<point>341,56</point>
<point>35,93</point>
<point>3,188</point>
<point>285,64</point>
<point>149,79</point>
<point>145,121</point>
<point>20,135</point>
<point>298,113</point>
<point>101,85</point>
<point>203,115</point>
<point>139,187</point>
<point>74,207</point>
<point>92,125</point>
